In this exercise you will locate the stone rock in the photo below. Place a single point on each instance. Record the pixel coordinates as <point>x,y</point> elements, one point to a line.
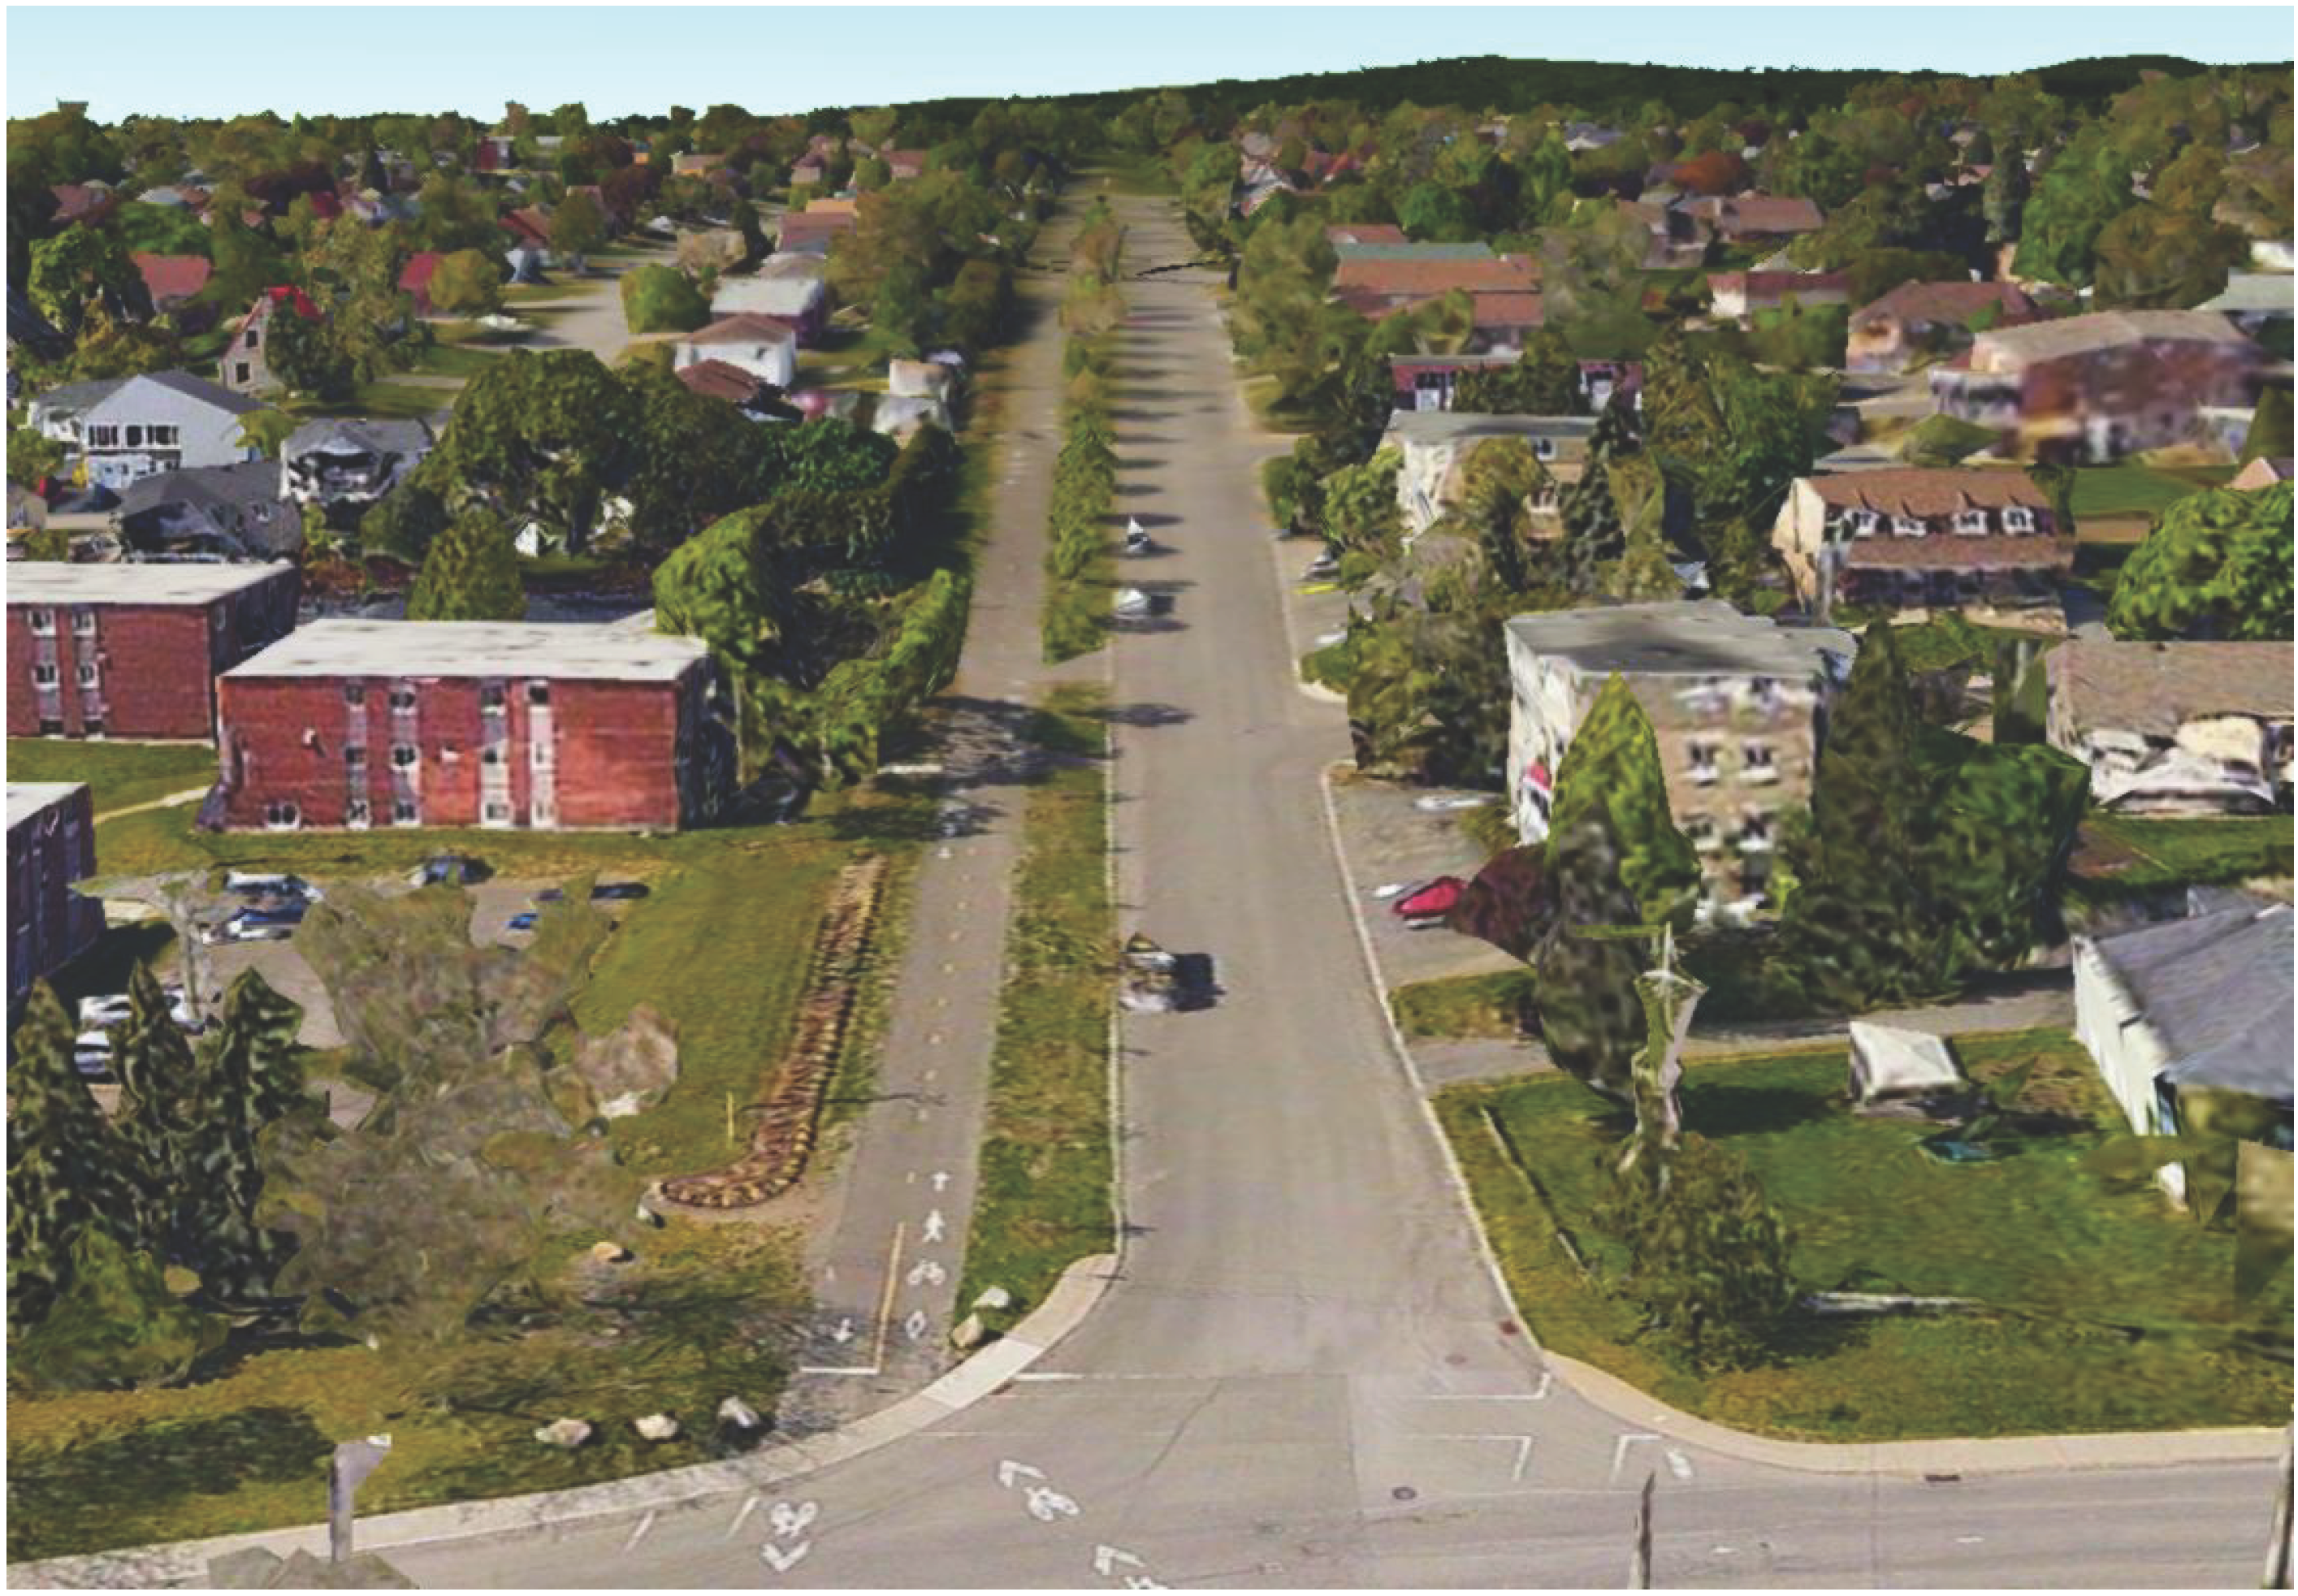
<point>632,1069</point>
<point>565,1433</point>
<point>657,1426</point>
<point>995,1298</point>
<point>740,1415</point>
<point>970,1333</point>
<point>610,1251</point>
<point>648,1217</point>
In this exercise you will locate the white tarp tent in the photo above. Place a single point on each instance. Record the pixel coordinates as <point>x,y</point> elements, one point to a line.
<point>1888,1064</point>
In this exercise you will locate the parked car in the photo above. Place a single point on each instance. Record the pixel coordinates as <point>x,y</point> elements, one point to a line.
<point>604,892</point>
<point>522,922</point>
<point>99,1013</point>
<point>257,925</point>
<point>1430,904</point>
<point>450,870</point>
<point>93,1059</point>
<point>1323,566</point>
<point>251,884</point>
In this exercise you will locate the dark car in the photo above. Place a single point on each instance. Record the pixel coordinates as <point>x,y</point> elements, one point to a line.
<point>522,922</point>
<point>605,892</point>
<point>450,870</point>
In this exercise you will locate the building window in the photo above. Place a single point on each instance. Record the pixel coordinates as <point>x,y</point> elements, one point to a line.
<point>1543,449</point>
<point>83,622</point>
<point>538,755</point>
<point>52,728</point>
<point>103,434</point>
<point>281,817</point>
<point>162,437</point>
<point>44,623</point>
<point>496,812</point>
<point>1864,523</point>
<point>491,701</point>
<point>355,758</point>
<point>1702,756</point>
<point>1971,522</point>
<point>239,373</point>
<point>402,701</point>
<point>538,692</point>
<point>2017,518</point>
<point>402,812</point>
<point>250,337</point>
<point>355,695</point>
<point>1756,765</point>
<point>491,754</point>
<point>1700,831</point>
<point>91,728</point>
<point>88,677</point>
<point>135,436</point>
<point>1756,834</point>
<point>44,676</point>
<point>402,755</point>
<point>356,814</point>
<point>1764,694</point>
<point>1907,526</point>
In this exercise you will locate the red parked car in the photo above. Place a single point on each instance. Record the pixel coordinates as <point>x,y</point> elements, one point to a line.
<point>1432,902</point>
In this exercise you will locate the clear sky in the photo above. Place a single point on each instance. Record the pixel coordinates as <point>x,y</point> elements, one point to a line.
<point>319,58</point>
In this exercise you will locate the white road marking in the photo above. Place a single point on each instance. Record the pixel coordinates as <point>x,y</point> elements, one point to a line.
<point>942,1180</point>
<point>1620,1448</point>
<point>859,1369</point>
<point>781,1561</point>
<point>790,1521</point>
<point>1008,1471</point>
<point>1105,1559</point>
<point>639,1534</point>
<point>935,1227</point>
<point>749,1505</point>
<point>1523,1449</point>
<point>914,1327</point>
<point>845,1331</point>
<point>933,1039</point>
<point>928,1273</point>
<point>1047,1504</point>
<point>1968,1540</point>
<point>1678,1463</point>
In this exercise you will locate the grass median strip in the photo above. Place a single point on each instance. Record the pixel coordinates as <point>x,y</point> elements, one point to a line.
<point>1044,1197</point>
<point>2104,1310</point>
<point>118,774</point>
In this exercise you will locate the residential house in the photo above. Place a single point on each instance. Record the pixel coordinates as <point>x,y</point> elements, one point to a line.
<point>694,165</point>
<point>352,723</point>
<point>529,228</point>
<point>344,466</point>
<point>716,379</point>
<point>172,280</point>
<point>51,844</point>
<point>1679,237</point>
<point>2255,301</point>
<point>210,512</point>
<point>2098,387</point>
<point>132,651</point>
<point>903,164</point>
<point>127,428</point>
<point>1427,382</point>
<point>415,279</point>
<point>1738,294</point>
<point>1754,217</point>
<point>1920,321</point>
<point>765,348</point>
<point>87,203</point>
<point>1921,537</point>
<point>1737,704</point>
<point>2190,1006</point>
<point>242,364</point>
<point>1435,444</point>
<point>810,231</point>
<point>2260,472</point>
<point>497,153</point>
<point>2175,728</point>
<point>1504,320</point>
<point>808,172</point>
<point>1377,280</point>
<point>1365,231</point>
<point>800,303</point>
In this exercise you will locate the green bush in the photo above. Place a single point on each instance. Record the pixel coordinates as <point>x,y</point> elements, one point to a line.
<point>657,299</point>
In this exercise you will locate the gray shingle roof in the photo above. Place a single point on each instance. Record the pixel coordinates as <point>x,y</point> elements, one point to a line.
<point>1702,637</point>
<point>246,497</point>
<point>359,434</point>
<point>2216,991</point>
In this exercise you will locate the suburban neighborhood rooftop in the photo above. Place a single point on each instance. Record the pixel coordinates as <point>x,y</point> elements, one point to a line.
<point>54,581</point>
<point>2217,988</point>
<point>1927,491</point>
<point>1450,426</point>
<point>1681,637</point>
<point>2153,689</point>
<point>432,648</point>
<point>2016,347</point>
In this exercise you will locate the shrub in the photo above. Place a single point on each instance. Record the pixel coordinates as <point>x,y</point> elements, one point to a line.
<point>657,298</point>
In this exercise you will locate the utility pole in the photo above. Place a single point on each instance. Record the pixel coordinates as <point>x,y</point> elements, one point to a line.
<point>2278,1549</point>
<point>1639,1568</point>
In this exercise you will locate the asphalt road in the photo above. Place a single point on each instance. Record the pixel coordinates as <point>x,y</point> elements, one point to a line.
<point>1305,1375</point>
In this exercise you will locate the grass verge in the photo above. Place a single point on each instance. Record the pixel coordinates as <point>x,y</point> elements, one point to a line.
<point>1045,1199</point>
<point>2120,855</point>
<point>118,774</point>
<point>2106,1311</point>
<point>1464,1006</point>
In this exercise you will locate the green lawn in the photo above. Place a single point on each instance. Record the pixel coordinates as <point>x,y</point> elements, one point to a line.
<point>2142,854</point>
<point>118,774</point>
<point>453,359</point>
<point>2130,488</point>
<point>2109,1310</point>
<point>1044,1197</point>
<point>1463,1005</point>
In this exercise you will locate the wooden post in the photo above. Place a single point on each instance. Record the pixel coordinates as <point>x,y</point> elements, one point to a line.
<point>730,1119</point>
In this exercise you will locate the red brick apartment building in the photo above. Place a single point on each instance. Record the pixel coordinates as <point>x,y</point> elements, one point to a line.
<point>358,724</point>
<point>51,844</point>
<point>133,650</point>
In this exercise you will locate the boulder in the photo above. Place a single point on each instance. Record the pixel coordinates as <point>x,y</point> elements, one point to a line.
<point>996,1297</point>
<point>610,1252</point>
<point>566,1433</point>
<point>657,1426</point>
<point>737,1414</point>
<point>969,1333</point>
<point>631,1070</point>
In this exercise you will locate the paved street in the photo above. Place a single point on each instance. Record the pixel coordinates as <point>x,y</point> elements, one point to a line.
<point>1304,1373</point>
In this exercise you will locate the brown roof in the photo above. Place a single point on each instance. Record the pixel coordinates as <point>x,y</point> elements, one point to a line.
<point>832,207</point>
<point>810,225</point>
<point>1928,491</point>
<point>2153,689</point>
<point>1948,552</point>
<point>717,379</point>
<point>746,327</point>
<point>173,277</point>
<point>2012,348</point>
<point>1428,279</point>
<point>1774,285</point>
<point>1759,213</point>
<point>1928,302</point>
<point>1507,309</point>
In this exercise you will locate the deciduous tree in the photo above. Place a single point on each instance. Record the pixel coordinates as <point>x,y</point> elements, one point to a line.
<point>469,574</point>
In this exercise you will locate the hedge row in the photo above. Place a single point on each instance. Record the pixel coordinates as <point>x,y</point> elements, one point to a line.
<point>1085,472</point>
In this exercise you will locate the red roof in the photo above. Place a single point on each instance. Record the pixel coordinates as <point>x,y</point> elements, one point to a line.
<point>529,225</point>
<point>719,379</point>
<point>171,278</point>
<point>1507,309</point>
<point>414,277</point>
<point>76,202</point>
<point>1931,302</point>
<point>1367,232</point>
<point>288,295</point>
<point>743,327</point>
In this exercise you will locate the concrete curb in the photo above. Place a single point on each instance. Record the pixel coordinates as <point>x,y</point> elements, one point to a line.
<point>185,1562</point>
<point>1610,1395</point>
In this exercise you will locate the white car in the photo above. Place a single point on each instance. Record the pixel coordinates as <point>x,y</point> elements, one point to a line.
<point>251,883</point>
<point>101,1014</point>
